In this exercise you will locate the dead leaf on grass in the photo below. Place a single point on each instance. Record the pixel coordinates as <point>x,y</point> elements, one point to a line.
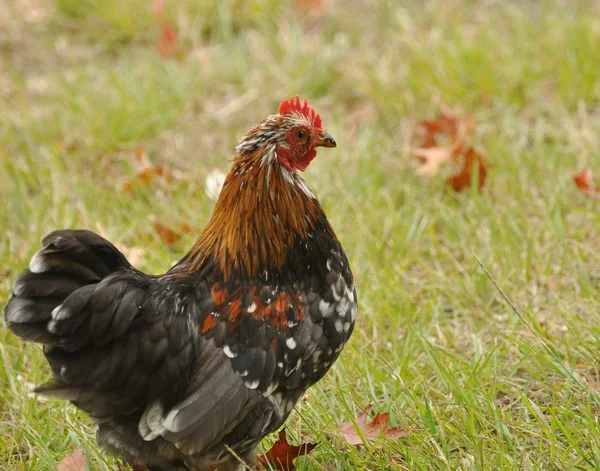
<point>73,462</point>
<point>585,182</point>
<point>281,456</point>
<point>371,431</point>
<point>168,234</point>
<point>470,159</point>
<point>449,123</point>
<point>168,44</point>
<point>456,127</point>
<point>145,172</point>
<point>432,157</point>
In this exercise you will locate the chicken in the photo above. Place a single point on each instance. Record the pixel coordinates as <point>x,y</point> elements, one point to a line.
<point>189,370</point>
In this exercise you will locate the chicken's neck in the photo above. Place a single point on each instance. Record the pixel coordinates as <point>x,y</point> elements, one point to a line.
<point>266,220</point>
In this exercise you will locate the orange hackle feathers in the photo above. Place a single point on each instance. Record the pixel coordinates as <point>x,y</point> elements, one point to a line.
<point>293,105</point>
<point>208,323</point>
<point>257,220</point>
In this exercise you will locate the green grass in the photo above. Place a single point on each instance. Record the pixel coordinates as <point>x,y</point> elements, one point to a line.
<point>436,346</point>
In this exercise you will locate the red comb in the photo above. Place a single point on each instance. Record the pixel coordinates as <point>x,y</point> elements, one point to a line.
<point>293,105</point>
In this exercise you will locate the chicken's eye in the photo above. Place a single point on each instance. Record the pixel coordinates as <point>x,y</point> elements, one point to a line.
<point>301,135</point>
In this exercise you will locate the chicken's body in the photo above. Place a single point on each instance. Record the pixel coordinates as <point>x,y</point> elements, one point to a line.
<point>179,368</point>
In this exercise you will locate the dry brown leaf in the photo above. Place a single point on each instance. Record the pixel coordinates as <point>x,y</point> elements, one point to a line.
<point>463,179</point>
<point>73,462</point>
<point>431,158</point>
<point>446,124</point>
<point>372,431</point>
<point>453,124</point>
<point>168,234</point>
<point>168,45</point>
<point>457,127</point>
<point>281,456</point>
<point>146,173</point>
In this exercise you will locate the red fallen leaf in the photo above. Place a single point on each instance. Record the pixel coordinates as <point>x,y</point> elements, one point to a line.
<point>74,462</point>
<point>146,172</point>
<point>372,431</point>
<point>168,44</point>
<point>454,124</point>
<point>457,127</point>
<point>462,179</point>
<point>169,236</point>
<point>585,182</point>
<point>281,455</point>
<point>446,123</point>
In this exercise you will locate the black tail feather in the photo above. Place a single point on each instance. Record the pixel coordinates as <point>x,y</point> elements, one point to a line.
<point>45,285</point>
<point>67,266</point>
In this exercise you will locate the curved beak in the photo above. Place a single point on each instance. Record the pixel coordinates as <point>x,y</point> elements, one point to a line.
<point>326,141</point>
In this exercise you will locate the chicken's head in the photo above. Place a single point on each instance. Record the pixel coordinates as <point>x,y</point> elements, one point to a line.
<point>303,134</point>
<point>292,135</point>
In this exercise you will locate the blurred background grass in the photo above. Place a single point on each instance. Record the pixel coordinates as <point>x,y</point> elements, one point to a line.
<point>83,85</point>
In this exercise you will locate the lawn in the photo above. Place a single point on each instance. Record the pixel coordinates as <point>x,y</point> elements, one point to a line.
<point>84,87</point>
